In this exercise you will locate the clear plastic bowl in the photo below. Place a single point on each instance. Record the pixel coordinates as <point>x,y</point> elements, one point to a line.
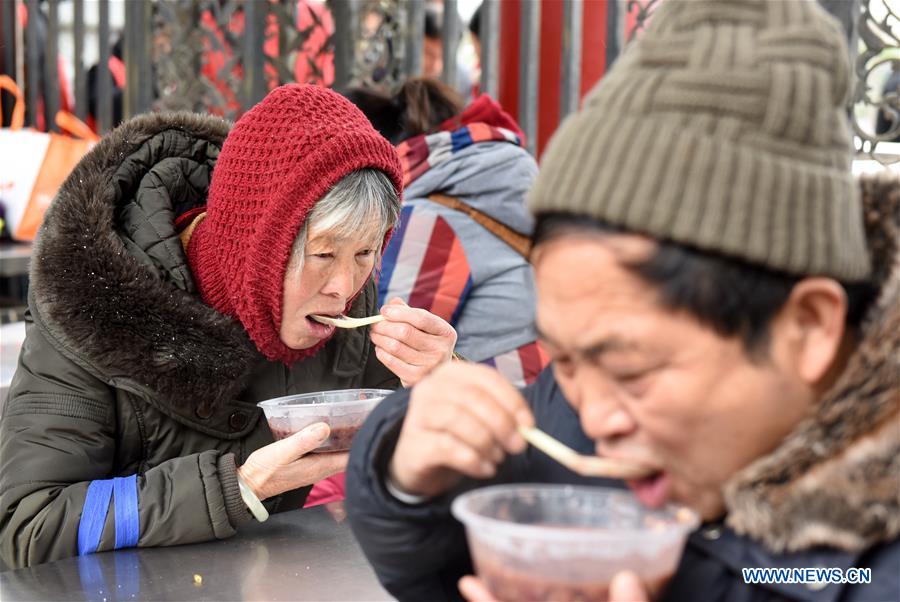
<point>565,543</point>
<point>344,411</point>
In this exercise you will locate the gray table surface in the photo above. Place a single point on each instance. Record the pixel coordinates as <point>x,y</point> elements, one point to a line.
<point>300,555</point>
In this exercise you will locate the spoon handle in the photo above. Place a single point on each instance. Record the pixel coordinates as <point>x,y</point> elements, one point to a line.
<point>344,322</point>
<point>588,466</point>
<point>561,453</point>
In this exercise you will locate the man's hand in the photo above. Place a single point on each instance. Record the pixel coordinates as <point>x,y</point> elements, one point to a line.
<point>625,587</point>
<point>473,589</point>
<point>411,342</point>
<point>287,464</point>
<point>462,420</point>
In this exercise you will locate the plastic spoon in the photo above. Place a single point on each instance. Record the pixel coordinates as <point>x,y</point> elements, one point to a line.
<point>587,466</point>
<point>345,322</point>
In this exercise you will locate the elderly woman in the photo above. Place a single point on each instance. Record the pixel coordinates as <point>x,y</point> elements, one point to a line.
<point>172,288</point>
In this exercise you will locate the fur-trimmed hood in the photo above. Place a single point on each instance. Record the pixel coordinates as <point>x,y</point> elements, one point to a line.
<point>110,285</point>
<point>835,481</point>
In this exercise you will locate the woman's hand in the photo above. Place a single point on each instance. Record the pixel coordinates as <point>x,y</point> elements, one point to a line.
<point>287,464</point>
<point>411,342</point>
<point>625,587</point>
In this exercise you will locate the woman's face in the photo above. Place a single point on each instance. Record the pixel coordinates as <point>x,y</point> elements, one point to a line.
<point>334,269</point>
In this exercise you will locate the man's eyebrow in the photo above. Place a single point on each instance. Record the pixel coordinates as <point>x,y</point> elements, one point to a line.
<point>608,345</point>
<point>604,345</point>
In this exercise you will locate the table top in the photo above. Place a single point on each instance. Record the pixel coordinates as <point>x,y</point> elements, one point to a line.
<point>14,258</point>
<point>300,555</point>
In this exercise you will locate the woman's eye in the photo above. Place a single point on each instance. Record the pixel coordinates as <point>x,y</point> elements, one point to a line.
<point>323,255</point>
<point>365,253</point>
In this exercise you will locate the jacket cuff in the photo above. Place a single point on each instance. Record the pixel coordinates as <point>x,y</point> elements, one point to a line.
<point>438,506</point>
<point>234,504</point>
<point>399,494</point>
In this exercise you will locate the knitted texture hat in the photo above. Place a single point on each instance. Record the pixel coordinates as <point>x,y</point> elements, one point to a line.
<point>722,128</point>
<point>279,159</point>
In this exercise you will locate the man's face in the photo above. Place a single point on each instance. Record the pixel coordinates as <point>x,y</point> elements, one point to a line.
<point>333,271</point>
<point>653,385</point>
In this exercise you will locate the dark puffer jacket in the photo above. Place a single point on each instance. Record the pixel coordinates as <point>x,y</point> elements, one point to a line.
<point>125,371</point>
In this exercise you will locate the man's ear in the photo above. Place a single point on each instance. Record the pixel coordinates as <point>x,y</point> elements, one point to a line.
<point>809,329</point>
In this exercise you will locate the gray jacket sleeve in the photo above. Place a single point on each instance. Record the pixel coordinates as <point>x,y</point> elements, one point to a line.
<point>58,433</point>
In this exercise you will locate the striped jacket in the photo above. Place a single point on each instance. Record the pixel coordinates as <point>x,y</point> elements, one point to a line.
<point>441,260</point>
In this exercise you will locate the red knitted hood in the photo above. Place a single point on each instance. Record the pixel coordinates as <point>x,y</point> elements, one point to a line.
<point>280,158</point>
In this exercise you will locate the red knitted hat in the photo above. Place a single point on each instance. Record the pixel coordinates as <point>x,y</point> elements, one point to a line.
<point>279,159</point>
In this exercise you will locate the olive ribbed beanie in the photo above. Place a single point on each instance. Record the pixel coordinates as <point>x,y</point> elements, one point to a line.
<point>724,128</point>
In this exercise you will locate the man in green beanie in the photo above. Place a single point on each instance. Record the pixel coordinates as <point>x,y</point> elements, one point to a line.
<point>721,311</point>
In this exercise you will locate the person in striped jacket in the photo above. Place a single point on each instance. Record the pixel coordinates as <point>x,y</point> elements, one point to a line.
<point>454,253</point>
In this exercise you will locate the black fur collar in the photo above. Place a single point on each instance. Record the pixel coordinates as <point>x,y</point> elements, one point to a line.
<point>113,314</point>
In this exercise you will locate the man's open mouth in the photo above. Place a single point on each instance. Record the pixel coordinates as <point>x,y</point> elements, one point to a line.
<point>652,491</point>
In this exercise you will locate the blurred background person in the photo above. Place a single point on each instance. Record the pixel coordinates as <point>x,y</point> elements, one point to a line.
<point>475,38</point>
<point>116,68</point>
<point>433,53</point>
<point>42,119</point>
<point>455,252</point>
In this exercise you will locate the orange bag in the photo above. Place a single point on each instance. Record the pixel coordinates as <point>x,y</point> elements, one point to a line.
<point>34,164</point>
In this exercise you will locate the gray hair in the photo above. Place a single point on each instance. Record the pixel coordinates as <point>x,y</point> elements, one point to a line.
<point>359,198</point>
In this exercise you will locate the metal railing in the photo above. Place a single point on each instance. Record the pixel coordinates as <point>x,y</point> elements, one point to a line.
<point>878,30</point>
<point>168,43</point>
<point>873,36</point>
<point>222,56</point>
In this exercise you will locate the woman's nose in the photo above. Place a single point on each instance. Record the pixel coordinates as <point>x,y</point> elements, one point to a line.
<point>340,283</point>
